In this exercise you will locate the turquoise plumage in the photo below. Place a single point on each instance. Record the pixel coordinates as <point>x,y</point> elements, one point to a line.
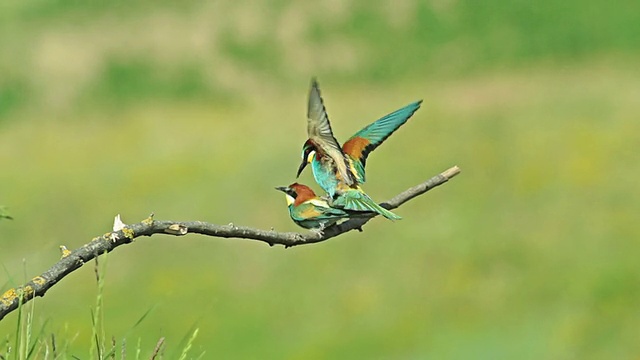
<point>340,170</point>
<point>358,200</point>
<point>311,212</point>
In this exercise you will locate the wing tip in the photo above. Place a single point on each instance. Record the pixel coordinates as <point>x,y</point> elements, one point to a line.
<point>314,83</point>
<point>415,106</point>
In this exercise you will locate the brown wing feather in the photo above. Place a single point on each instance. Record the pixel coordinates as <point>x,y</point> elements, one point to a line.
<point>319,131</point>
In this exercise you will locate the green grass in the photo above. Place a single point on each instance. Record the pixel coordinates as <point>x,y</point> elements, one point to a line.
<point>26,344</point>
<point>531,247</point>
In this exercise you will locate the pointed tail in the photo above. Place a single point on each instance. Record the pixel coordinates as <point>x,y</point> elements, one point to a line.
<point>357,200</point>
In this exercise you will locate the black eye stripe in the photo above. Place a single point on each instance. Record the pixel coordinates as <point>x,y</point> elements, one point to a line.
<point>306,151</point>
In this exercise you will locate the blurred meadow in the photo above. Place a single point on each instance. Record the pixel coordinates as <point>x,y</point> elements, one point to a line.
<point>196,111</point>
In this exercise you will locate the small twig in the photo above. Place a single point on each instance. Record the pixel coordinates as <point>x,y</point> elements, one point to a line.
<point>156,351</point>
<point>125,234</point>
<point>53,346</point>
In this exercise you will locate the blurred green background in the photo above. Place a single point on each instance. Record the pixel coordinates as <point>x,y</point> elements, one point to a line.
<point>195,111</point>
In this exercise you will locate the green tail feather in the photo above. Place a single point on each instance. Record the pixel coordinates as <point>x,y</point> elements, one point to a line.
<point>358,201</point>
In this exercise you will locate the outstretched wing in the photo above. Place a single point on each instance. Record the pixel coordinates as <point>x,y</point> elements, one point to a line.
<point>366,140</point>
<point>320,133</point>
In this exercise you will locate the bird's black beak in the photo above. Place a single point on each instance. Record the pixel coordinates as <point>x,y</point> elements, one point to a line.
<point>284,189</point>
<point>302,166</point>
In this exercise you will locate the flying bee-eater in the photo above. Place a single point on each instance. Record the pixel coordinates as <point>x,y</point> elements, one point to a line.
<point>340,170</point>
<point>312,212</point>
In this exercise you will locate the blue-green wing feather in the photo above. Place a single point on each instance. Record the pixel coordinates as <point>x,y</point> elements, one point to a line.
<point>370,137</point>
<point>357,200</point>
<point>381,129</point>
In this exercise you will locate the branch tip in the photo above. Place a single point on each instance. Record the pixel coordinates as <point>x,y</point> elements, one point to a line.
<point>451,172</point>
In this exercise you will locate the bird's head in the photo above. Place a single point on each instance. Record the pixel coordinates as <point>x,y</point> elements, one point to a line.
<point>308,152</point>
<point>297,193</point>
<point>289,193</point>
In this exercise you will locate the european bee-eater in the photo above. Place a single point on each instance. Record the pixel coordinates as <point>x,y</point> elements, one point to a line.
<point>312,212</point>
<point>340,170</point>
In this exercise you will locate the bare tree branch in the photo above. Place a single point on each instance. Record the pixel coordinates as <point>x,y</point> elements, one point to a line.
<point>72,260</point>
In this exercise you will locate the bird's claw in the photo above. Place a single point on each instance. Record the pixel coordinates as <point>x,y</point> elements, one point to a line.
<point>318,232</point>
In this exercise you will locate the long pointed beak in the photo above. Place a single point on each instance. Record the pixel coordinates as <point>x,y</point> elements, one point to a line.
<point>282,188</point>
<point>302,166</point>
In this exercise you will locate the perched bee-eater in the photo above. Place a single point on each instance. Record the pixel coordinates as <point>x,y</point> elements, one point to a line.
<point>312,212</point>
<point>340,170</point>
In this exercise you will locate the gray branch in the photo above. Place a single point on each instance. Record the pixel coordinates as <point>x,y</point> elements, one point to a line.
<point>72,260</point>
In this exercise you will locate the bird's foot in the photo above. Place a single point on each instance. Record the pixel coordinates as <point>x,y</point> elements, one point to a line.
<point>318,232</point>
